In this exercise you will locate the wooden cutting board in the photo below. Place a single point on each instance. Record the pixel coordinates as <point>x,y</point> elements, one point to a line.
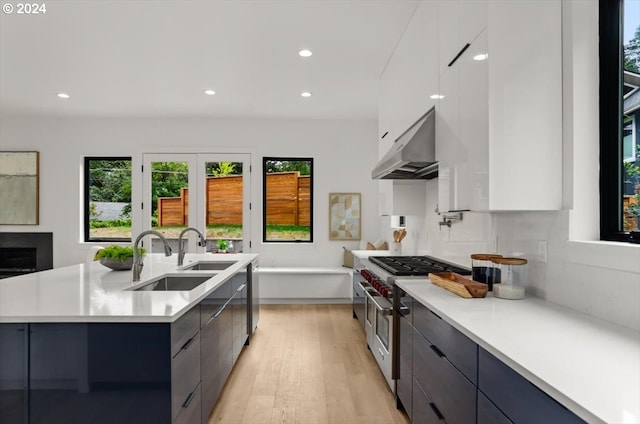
<point>458,284</point>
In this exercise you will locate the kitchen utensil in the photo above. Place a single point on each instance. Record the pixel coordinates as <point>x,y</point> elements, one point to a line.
<point>402,235</point>
<point>458,284</point>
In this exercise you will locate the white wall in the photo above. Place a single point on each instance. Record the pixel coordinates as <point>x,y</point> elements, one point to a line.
<point>342,163</point>
<point>566,265</point>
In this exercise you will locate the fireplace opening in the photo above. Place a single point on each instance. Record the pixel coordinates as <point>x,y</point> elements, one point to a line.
<point>22,253</point>
<point>17,260</point>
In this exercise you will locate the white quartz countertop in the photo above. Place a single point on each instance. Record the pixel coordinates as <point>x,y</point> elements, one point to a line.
<point>364,254</point>
<point>590,366</point>
<point>93,293</point>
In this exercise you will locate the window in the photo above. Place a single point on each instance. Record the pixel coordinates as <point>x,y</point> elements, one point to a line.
<point>288,200</point>
<point>620,120</point>
<point>107,200</point>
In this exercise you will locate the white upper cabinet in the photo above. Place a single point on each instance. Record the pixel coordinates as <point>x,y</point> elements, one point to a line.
<point>406,86</point>
<point>525,105</point>
<point>459,23</point>
<point>499,124</point>
<point>410,77</point>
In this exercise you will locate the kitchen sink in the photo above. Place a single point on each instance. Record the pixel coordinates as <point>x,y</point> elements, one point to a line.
<point>174,283</point>
<point>209,265</point>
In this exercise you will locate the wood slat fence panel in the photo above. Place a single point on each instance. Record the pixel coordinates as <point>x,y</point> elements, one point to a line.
<point>224,200</point>
<point>282,198</point>
<point>304,200</point>
<point>288,201</point>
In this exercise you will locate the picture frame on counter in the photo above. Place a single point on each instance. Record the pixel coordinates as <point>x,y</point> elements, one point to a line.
<point>19,188</point>
<point>345,216</point>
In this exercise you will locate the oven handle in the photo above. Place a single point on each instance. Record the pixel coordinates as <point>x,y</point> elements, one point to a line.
<point>382,309</point>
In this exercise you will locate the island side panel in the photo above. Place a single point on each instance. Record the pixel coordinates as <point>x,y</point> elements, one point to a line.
<point>100,373</point>
<point>13,373</point>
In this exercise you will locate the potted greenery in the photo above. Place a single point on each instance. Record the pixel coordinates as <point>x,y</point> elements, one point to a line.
<point>118,257</point>
<point>222,246</point>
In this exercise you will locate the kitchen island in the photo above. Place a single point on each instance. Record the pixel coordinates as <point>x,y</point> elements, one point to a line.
<point>80,344</point>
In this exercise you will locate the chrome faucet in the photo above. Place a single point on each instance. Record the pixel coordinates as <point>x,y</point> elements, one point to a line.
<point>181,251</point>
<point>137,258</point>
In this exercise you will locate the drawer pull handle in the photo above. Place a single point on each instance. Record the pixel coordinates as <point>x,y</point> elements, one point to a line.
<point>381,353</point>
<point>439,317</point>
<point>188,343</point>
<point>217,314</point>
<point>188,400</point>
<point>436,411</point>
<point>241,288</point>
<point>437,351</point>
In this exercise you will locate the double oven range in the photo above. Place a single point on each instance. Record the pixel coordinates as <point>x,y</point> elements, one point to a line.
<point>377,301</point>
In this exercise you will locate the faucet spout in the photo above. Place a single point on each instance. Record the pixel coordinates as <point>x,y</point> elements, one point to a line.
<point>137,257</point>
<point>181,251</point>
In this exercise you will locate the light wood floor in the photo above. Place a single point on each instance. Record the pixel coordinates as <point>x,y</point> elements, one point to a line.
<point>307,364</point>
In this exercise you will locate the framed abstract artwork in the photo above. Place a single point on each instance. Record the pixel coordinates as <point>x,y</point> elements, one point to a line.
<point>344,216</point>
<point>19,188</point>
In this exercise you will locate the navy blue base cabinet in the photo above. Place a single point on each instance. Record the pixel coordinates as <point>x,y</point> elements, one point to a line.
<point>519,400</point>
<point>457,382</point>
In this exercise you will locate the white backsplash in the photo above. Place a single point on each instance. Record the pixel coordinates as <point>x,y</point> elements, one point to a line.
<point>557,270</point>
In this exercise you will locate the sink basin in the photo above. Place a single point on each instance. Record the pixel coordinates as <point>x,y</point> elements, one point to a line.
<point>210,265</point>
<point>174,283</point>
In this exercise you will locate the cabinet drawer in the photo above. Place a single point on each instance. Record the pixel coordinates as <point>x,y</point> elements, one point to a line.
<point>461,351</point>
<point>185,374</point>
<point>405,377</point>
<point>488,413</point>
<point>453,394</point>
<point>211,304</point>
<point>424,411</point>
<point>190,410</point>
<point>184,328</point>
<point>518,398</point>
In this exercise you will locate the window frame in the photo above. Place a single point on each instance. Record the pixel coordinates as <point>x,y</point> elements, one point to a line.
<point>611,119</point>
<point>265,159</point>
<point>87,201</point>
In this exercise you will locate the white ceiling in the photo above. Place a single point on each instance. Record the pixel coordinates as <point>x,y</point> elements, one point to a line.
<point>156,57</point>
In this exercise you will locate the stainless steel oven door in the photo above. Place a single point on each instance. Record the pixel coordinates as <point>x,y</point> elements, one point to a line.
<point>369,318</point>
<point>382,334</point>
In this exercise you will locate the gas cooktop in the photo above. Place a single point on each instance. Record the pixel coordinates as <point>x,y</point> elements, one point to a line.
<point>415,265</point>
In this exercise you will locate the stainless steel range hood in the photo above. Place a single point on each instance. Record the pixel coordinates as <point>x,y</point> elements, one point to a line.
<point>413,155</point>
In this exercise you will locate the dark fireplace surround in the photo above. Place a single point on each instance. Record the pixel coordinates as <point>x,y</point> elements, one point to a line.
<point>22,253</point>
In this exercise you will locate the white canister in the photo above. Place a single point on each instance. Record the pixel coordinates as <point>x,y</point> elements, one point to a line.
<point>395,248</point>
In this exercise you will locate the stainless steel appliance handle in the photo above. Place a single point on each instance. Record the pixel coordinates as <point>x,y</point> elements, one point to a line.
<point>384,310</point>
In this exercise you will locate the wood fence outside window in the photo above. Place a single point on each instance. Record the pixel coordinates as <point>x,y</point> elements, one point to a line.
<point>288,201</point>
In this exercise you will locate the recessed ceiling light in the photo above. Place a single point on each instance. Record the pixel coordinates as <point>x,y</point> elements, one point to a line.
<point>482,56</point>
<point>305,94</point>
<point>63,95</point>
<point>305,53</point>
<point>437,96</point>
<point>209,92</point>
